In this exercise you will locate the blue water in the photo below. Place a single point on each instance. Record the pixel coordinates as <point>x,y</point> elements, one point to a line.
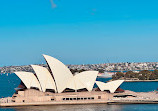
<point>8,83</point>
<point>136,86</point>
<point>91,107</point>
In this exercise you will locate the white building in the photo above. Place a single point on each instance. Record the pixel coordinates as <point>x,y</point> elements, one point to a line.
<point>58,78</point>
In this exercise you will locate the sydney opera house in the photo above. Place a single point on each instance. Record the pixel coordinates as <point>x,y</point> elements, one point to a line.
<point>57,85</point>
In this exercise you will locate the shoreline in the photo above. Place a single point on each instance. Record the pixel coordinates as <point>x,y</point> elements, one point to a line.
<point>141,80</point>
<point>136,80</point>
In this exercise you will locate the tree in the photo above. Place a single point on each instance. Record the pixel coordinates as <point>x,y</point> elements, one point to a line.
<point>101,70</point>
<point>73,71</point>
<point>152,77</point>
<point>81,70</point>
<point>155,72</point>
<point>130,74</point>
<point>141,78</point>
<point>118,75</point>
<point>146,74</point>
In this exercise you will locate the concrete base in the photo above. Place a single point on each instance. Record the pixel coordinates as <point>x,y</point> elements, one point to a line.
<point>52,103</point>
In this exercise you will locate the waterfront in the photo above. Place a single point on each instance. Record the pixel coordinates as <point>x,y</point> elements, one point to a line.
<point>102,67</point>
<point>97,107</point>
<point>8,83</point>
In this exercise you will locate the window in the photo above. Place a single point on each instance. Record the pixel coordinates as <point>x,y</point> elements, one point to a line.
<point>99,97</point>
<point>67,98</point>
<point>13,100</point>
<point>63,98</point>
<point>78,98</point>
<point>52,99</point>
<point>23,101</point>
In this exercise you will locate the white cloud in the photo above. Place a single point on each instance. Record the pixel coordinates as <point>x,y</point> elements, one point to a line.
<point>53,4</point>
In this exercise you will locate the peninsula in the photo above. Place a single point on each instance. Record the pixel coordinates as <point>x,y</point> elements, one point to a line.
<point>144,75</point>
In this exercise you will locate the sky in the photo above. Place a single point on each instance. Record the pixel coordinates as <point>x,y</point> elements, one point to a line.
<point>78,31</point>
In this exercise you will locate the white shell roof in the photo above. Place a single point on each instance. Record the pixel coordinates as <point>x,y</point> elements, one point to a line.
<point>111,86</point>
<point>60,73</point>
<point>88,78</point>
<point>29,79</point>
<point>75,83</point>
<point>44,77</point>
<point>60,79</point>
<point>82,80</point>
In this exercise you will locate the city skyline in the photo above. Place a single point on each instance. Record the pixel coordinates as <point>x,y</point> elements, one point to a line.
<point>78,32</point>
<point>102,68</point>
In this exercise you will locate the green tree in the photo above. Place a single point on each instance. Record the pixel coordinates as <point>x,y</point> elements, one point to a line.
<point>152,77</point>
<point>118,75</point>
<point>130,74</point>
<point>101,70</point>
<point>146,74</point>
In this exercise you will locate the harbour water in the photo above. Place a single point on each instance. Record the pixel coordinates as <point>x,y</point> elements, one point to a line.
<point>8,83</point>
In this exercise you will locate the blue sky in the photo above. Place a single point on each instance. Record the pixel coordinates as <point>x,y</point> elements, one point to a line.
<point>78,31</point>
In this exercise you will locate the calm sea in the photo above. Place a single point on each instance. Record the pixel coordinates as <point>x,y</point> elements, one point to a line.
<point>8,83</point>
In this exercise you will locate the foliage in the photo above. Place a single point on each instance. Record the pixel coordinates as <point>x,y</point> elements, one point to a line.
<point>73,71</point>
<point>118,75</point>
<point>142,75</point>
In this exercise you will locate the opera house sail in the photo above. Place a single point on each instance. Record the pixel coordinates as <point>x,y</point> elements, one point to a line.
<point>59,71</point>
<point>44,77</point>
<point>57,85</point>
